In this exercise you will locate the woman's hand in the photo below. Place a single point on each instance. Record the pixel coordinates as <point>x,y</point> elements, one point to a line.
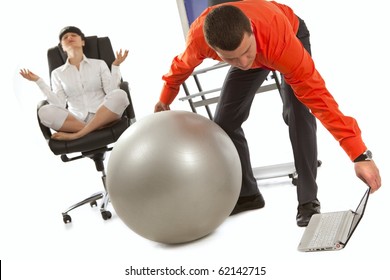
<point>27,74</point>
<point>120,57</point>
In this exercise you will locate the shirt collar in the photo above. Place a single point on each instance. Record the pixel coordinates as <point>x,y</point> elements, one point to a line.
<point>67,64</point>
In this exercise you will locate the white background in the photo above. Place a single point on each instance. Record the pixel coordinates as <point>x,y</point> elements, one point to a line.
<point>350,47</point>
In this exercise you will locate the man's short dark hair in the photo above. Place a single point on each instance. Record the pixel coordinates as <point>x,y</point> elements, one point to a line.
<point>225,26</point>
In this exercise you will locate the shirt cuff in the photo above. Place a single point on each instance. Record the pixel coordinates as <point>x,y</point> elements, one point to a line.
<point>353,146</point>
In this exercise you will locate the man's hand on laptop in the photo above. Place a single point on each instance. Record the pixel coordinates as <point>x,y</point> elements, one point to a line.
<point>368,172</point>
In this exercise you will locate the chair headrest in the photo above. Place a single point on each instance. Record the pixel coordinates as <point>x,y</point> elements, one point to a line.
<point>95,47</point>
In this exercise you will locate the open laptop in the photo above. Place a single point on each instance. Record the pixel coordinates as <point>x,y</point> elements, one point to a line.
<point>332,231</point>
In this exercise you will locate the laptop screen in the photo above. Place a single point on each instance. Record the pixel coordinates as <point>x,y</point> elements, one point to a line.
<point>359,212</point>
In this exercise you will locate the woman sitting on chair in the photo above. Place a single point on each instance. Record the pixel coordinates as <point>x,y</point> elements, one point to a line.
<point>85,95</point>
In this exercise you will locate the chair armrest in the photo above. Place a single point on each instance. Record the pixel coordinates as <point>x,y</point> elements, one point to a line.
<point>45,130</point>
<point>129,112</point>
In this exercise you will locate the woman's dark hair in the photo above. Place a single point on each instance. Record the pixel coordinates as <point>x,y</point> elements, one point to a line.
<point>71,29</point>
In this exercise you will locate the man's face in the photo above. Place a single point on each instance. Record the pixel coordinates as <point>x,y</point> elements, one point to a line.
<point>242,57</point>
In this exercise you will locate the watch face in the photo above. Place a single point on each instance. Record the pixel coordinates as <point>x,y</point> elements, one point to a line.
<point>367,155</point>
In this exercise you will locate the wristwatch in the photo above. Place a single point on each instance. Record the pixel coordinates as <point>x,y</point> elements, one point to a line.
<point>367,155</point>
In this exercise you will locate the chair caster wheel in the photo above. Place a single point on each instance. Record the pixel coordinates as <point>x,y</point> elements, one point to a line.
<point>93,203</point>
<point>294,181</point>
<point>294,178</point>
<point>106,215</point>
<point>67,219</point>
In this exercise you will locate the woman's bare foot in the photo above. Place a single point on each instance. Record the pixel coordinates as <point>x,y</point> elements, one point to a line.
<point>65,136</point>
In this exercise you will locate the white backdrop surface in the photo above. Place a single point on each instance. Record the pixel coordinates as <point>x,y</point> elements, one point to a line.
<point>350,47</point>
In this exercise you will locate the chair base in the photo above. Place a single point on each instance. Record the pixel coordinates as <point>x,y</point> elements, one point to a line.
<point>92,200</point>
<point>98,157</point>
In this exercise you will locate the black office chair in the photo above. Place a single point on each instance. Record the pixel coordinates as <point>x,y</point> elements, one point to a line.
<point>95,144</point>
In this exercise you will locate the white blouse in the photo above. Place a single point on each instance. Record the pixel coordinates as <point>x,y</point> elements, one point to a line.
<point>83,89</point>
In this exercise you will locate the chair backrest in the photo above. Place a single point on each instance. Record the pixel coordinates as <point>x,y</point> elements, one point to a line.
<point>95,47</point>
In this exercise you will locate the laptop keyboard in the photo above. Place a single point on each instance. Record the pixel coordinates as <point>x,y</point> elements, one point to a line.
<point>327,229</point>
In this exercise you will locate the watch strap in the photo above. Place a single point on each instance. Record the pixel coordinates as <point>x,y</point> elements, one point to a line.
<point>367,155</point>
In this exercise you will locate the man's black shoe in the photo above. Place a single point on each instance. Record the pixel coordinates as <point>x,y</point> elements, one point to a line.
<point>246,203</point>
<point>305,211</point>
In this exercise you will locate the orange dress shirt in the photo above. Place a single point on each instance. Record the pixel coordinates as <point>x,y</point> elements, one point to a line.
<point>274,26</point>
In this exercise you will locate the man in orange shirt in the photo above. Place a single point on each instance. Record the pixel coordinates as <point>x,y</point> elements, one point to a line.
<point>254,37</point>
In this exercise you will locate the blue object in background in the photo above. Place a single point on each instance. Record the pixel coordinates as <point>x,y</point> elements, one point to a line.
<point>194,8</point>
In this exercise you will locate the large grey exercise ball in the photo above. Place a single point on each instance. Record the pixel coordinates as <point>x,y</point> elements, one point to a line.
<point>174,177</point>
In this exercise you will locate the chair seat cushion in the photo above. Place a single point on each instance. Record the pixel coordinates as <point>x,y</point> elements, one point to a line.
<point>94,140</point>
